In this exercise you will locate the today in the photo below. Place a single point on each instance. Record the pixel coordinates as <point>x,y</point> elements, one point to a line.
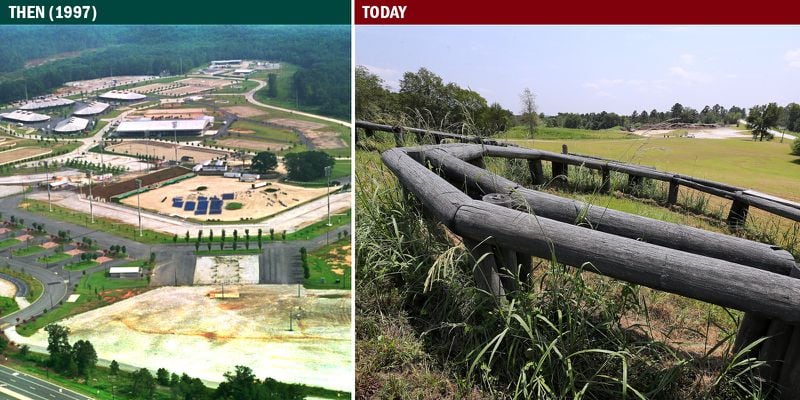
<point>384,12</point>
